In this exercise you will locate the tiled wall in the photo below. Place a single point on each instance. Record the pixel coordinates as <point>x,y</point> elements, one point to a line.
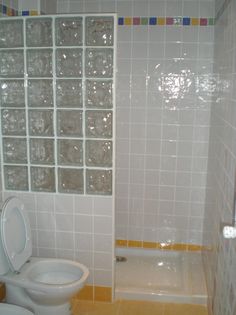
<point>75,227</point>
<point>163,109</point>
<point>221,258</point>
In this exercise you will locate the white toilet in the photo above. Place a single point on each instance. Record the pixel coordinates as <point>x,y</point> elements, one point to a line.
<point>42,285</point>
<point>7,309</point>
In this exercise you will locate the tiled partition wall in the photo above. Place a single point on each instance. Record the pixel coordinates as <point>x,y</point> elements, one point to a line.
<point>57,99</point>
<point>163,108</point>
<point>220,259</point>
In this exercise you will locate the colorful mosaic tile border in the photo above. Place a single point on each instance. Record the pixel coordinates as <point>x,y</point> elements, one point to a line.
<point>183,21</point>
<point>4,10</point>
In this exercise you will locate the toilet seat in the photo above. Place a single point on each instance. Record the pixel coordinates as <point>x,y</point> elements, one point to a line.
<point>15,233</point>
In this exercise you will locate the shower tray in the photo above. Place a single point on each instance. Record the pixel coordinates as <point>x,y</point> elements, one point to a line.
<point>159,275</point>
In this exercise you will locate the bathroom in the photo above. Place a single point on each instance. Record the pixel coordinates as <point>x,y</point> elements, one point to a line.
<point>175,142</point>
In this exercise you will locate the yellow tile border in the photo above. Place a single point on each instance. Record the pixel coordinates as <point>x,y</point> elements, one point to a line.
<point>164,246</point>
<point>95,293</point>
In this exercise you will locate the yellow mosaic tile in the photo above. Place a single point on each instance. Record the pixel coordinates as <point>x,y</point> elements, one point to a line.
<point>103,294</point>
<point>122,243</point>
<point>86,293</point>
<point>34,13</point>
<point>135,244</point>
<point>192,247</point>
<point>195,21</point>
<point>128,21</point>
<point>161,21</point>
<point>149,245</point>
<point>179,247</point>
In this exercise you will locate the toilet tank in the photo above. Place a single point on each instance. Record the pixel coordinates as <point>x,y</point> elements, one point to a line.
<point>4,265</point>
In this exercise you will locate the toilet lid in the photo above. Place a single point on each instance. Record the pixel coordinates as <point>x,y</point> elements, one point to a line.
<point>15,233</point>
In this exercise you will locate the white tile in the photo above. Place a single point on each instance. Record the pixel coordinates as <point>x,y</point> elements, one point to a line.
<point>103,260</point>
<point>83,241</point>
<point>45,221</point>
<point>83,223</point>
<point>46,239</point>
<point>103,243</point>
<point>45,202</point>
<point>102,225</point>
<point>103,206</point>
<point>64,204</point>
<point>65,240</point>
<point>103,277</point>
<point>64,222</point>
<point>83,205</point>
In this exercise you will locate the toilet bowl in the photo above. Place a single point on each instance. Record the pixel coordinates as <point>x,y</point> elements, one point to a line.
<point>7,309</point>
<point>44,285</point>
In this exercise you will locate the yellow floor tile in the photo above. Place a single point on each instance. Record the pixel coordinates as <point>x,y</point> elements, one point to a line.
<point>184,309</point>
<point>125,307</point>
<point>95,308</point>
<point>140,308</point>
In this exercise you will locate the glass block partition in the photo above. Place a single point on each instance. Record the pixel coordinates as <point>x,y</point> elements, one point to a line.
<point>57,103</point>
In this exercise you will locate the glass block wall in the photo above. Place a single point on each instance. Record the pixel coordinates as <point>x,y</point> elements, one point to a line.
<point>57,99</point>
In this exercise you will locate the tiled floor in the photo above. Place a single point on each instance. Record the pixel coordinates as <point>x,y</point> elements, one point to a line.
<point>125,307</point>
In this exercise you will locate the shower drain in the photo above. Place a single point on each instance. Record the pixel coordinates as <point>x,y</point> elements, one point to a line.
<point>121,259</point>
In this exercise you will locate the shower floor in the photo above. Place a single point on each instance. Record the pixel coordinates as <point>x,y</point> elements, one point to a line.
<point>167,276</point>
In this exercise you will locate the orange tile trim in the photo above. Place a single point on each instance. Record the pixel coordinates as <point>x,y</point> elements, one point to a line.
<point>2,291</point>
<point>153,245</point>
<point>95,293</point>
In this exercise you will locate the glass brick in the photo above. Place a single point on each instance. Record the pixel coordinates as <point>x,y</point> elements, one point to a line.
<point>13,122</point>
<point>16,177</point>
<point>39,62</point>
<point>39,32</point>
<point>69,93</point>
<point>41,122</point>
<point>43,179</point>
<point>11,33</point>
<point>70,180</point>
<point>98,124</point>
<point>70,152</point>
<point>12,93</point>
<point>98,153</point>
<point>69,62</point>
<point>69,31</point>
<point>99,94</point>
<point>99,62</point>
<point>40,93</point>
<point>69,123</point>
<point>14,151</point>
<point>99,182</point>
<point>12,63</point>
<point>42,151</point>
<point>99,31</point>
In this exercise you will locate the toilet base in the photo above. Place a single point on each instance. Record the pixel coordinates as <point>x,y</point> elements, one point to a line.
<point>64,309</point>
<point>18,296</point>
